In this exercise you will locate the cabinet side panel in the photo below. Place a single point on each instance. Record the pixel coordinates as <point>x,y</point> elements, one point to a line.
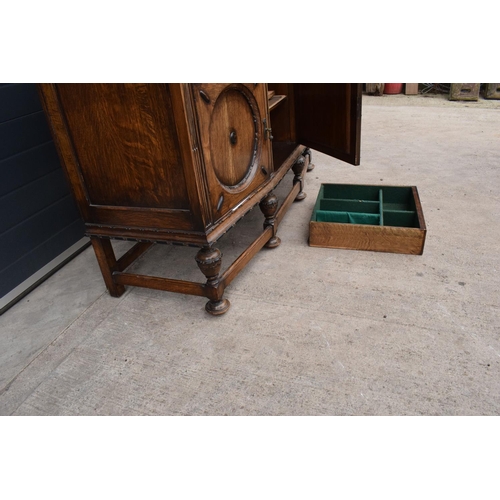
<point>126,144</point>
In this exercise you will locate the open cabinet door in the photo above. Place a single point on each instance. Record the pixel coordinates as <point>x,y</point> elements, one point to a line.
<point>328,118</point>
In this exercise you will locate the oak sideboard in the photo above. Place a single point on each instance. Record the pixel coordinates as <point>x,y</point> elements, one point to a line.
<point>182,163</point>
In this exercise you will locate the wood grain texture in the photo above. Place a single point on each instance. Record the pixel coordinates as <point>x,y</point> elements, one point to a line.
<point>286,163</point>
<point>418,208</point>
<point>233,137</point>
<point>145,234</point>
<point>64,146</point>
<point>125,140</point>
<point>175,220</point>
<point>328,118</point>
<point>108,264</point>
<point>151,188</point>
<point>275,101</point>
<point>182,163</point>
<point>192,158</point>
<point>363,237</point>
<point>230,121</point>
<point>158,283</point>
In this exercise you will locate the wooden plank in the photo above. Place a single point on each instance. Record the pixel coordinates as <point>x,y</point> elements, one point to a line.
<point>275,101</point>
<point>107,262</point>
<point>360,237</point>
<point>411,88</point>
<point>270,94</point>
<point>328,118</point>
<point>418,208</point>
<point>158,283</point>
<point>139,234</point>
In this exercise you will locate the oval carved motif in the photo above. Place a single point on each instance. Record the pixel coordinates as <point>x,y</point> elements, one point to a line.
<point>233,137</point>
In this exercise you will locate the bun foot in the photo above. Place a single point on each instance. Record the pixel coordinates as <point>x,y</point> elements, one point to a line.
<point>217,307</point>
<point>300,196</point>
<point>274,242</point>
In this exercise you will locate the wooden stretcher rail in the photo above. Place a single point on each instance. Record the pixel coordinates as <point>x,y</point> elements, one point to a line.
<point>158,283</point>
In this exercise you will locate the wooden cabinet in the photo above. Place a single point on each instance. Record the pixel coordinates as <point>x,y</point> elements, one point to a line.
<point>182,163</point>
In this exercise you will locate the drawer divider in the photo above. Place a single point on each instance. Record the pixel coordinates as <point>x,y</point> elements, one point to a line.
<point>381,206</point>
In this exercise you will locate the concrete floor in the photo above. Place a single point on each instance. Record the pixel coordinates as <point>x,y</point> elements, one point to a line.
<point>311,331</point>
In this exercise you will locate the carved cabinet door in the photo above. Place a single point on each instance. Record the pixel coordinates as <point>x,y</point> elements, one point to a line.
<point>236,146</point>
<point>328,118</point>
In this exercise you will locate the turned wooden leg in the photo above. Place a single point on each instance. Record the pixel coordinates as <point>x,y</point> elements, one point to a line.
<point>269,207</point>
<point>107,262</point>
<point>310,165</point>
<point>299,168</point>
<point>209,261</point>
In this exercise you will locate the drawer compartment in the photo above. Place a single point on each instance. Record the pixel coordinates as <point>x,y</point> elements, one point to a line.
<point>376,218</point>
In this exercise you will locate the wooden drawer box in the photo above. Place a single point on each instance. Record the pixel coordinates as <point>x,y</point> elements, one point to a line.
<point>377,218</point>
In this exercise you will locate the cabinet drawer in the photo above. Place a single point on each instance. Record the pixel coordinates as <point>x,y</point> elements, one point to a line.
<point>377,218</point>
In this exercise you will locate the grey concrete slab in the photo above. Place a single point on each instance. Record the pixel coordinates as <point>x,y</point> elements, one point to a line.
<point>311,331</point>
<point>34,322</point>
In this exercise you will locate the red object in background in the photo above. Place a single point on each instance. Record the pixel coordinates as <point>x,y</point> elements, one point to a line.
<point>393,88</point>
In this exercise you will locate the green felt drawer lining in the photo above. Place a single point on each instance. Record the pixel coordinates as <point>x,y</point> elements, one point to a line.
<point>367,207</point>
<point>347,217</point>
<point>350,192</point>
<point>400,218</point>
<point>395,198</point>
<point>371,205</point>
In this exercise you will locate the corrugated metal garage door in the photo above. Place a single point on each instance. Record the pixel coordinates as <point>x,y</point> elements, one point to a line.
<point>40,227</point>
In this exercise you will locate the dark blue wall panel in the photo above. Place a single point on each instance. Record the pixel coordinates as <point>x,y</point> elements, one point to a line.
<point>25,167</point>
<point>38,217</point>
<point>18,99</point>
